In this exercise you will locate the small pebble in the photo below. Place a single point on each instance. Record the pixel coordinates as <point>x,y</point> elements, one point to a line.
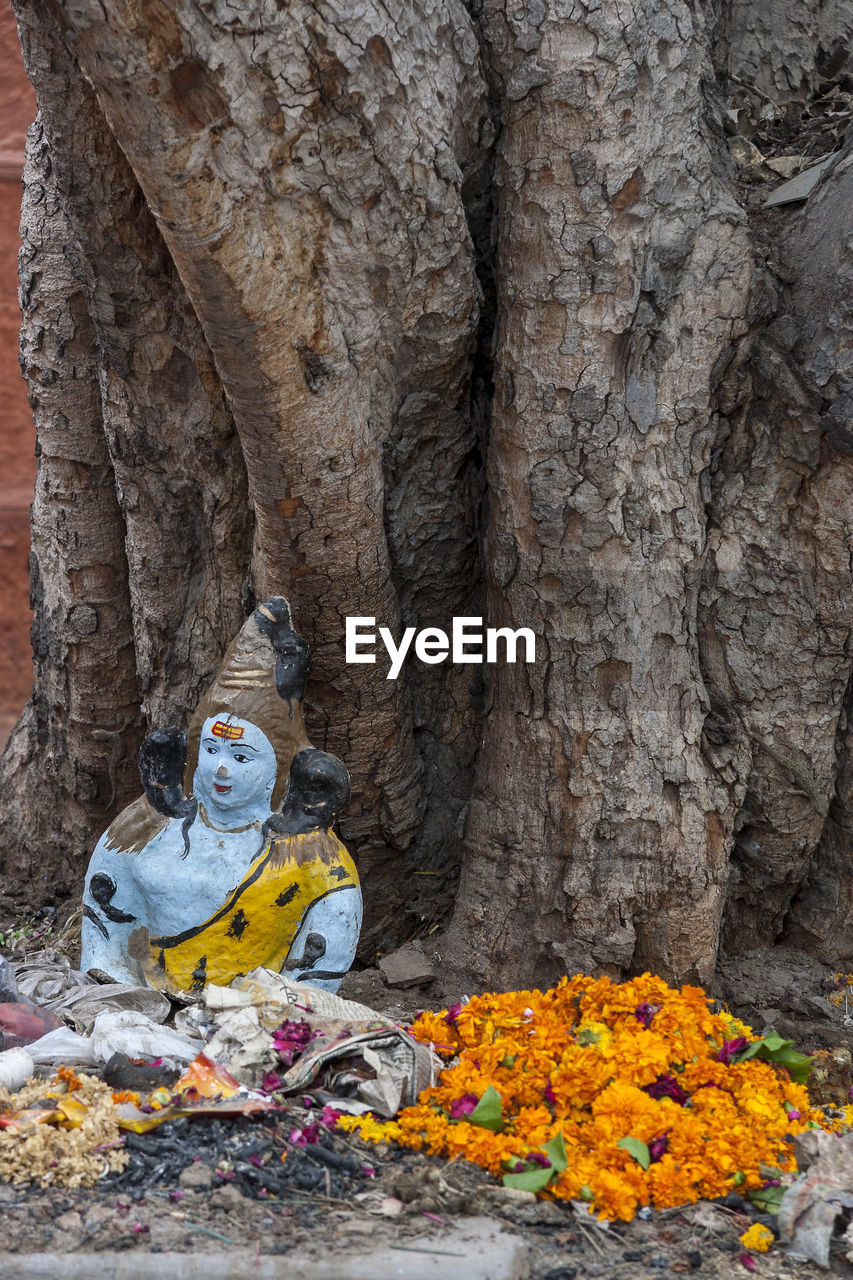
<point>226,1197</point>
<point>766,1219</point>
<point>196,1177</point>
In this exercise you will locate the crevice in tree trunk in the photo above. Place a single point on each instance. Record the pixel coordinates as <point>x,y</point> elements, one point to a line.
<point>820,917</point>
<point>448,705</point>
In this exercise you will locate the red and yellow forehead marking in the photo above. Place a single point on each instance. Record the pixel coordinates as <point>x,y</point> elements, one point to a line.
<point>224,730</point>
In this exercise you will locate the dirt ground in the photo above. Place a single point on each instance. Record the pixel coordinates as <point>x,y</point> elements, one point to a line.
<point>156,1209</point>
<point>221,1186</point>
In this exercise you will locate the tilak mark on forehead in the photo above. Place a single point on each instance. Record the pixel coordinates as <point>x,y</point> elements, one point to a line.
<point>224,730</point>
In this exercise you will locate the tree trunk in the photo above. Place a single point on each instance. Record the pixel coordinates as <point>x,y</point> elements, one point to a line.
<point>67,764</point>
<point>466,313</point>
<point>179,471</point>
<point>358,423</point>
<point>819,259</point>
<point>784,47</point>
<point>623,278</point>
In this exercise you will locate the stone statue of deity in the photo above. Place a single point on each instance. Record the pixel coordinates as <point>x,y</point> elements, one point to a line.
<point>229,860</point>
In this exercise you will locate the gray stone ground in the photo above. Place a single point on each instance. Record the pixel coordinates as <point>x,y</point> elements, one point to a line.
<point>474,1249</point>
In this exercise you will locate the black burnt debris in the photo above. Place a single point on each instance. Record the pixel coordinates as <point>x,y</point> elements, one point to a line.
<point>261,1156</point>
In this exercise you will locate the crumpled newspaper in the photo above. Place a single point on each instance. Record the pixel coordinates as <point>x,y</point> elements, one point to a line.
<point>398,1068</point>
<point>812,1206</point>
<point>359,1059</point>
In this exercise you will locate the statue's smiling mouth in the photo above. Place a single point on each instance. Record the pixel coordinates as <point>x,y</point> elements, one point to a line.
<point>221,789</point>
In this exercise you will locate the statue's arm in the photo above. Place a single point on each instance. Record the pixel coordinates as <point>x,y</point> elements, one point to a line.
<point>110,912</point>
<point>324,948</point>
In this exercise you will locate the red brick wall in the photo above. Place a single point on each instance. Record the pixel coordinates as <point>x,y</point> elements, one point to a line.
<point>17,439</point>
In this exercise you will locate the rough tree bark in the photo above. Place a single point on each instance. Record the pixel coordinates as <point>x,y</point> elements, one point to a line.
<point>783,47</point>
<point>67,760</point>
<point>623,276</point>
<point>819,259</point>
<point>442,311</point>
<point>172,484</point>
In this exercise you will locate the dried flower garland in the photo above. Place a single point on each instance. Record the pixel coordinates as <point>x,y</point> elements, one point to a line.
<point>617,1094</point>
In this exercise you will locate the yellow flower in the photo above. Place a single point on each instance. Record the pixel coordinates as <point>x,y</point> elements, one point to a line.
<point>369,1129</point>
<point>758,1238</point>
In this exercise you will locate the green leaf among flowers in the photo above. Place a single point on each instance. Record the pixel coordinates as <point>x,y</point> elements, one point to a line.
<point>772,1048</point>
<point>637,1149</point>
<point>488,1113</point>
<point>768,1199</point>
<point>531,1180</point>
<point>555,1150</point>
<point>538,1176</point>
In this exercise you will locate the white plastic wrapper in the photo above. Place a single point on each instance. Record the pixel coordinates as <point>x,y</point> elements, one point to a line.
<point>47,980</point>
<point>16,1067</point>
<point>62,1047</point>
<point>136,1036</point>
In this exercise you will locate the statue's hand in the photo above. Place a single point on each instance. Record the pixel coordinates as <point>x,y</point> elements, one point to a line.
<point>162,758</point>
<point>318,790</point>
<point>314,950</point>
<point>275,825</point>
<point>292,654</point>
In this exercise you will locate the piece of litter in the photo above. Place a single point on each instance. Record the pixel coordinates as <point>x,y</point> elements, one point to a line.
<point>16,1067</point>
<point>214,1235</point>
<point>416,1248</point>
<point>785,166</point>
<point>801,186</point>
<point>812,1206</point>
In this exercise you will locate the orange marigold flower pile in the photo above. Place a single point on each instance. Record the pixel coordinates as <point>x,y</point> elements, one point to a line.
<point>641,1080</point>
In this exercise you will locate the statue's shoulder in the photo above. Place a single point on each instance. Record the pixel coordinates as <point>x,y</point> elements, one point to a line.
<point>134,828</point>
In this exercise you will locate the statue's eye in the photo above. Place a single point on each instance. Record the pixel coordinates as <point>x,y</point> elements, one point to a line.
<point>241,759</point>
<point>211,751</point>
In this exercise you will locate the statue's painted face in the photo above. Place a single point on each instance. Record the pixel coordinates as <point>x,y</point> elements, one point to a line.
<point>236,769</point>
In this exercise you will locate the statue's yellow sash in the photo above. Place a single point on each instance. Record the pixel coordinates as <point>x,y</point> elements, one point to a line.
<point>260,919</point>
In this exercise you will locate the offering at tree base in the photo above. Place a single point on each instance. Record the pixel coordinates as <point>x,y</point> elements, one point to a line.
<point>619,1095</point>
<point>205,877</point>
